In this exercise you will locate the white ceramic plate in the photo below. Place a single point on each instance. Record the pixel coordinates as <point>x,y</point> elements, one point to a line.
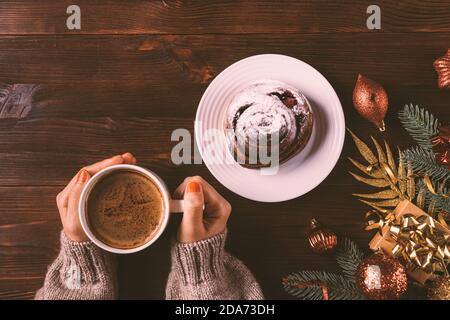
<point>300,174</point>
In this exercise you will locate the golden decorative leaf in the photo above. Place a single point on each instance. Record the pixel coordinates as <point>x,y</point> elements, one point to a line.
<point>374,173</point>
<point>380,183</point>
<point>432,207</point>
<point>410,184</point>
<point>363,149</point>
<point>420,200</point>
<point>382,210</point>
<point>390,158</point>
<point>385,194</point>
<point>383,203</point>
<point>401,175</point>
<point>383,173</point>
<point>380,152</point>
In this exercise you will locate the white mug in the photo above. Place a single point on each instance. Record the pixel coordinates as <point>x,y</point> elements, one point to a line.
<point>170,206</point>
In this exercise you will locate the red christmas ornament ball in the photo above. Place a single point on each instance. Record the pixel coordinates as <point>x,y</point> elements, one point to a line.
<point>381,277</point>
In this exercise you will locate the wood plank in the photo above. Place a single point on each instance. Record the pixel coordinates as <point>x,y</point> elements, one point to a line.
<point>114,99</point>
<point>19,204</point>
<point>104,99</point>
<point>185,60</point>
<point>201,17</point>
<point>57,145</point>
<point>19,289</point>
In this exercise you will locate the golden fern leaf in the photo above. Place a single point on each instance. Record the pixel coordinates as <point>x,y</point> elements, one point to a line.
<point>432,207</point>
<point>420,200</point>
<point>390,158</point>
<point>374,173</point>
<point>363,149</point>
<point>401,173</point>
<point>384,203</point>
<point>385,194</point>
<point>410,184</point>
<point>380,183</point>
<point>380,152</point>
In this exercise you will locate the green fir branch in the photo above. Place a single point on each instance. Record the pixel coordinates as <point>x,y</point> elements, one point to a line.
<point>435,202</point>
<point>348,257</point>
<point>307,285</point>
<point>423,161</point>
<point>420,124</point>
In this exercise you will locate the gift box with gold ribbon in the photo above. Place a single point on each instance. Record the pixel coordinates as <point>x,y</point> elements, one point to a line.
<point>418,240</point>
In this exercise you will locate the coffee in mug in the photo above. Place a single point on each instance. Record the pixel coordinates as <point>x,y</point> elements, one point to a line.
<point>125,208</point>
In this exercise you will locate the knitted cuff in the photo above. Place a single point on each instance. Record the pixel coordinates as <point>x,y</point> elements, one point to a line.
<point>200,261</point>
<point>83,262</point>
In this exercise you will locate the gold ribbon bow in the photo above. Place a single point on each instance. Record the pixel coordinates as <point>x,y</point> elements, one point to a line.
<point>417,240</point>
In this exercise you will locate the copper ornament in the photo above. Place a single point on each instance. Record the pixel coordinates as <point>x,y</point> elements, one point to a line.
<point>320,239</point>
<point>442,67</point>
<point>370,100</point>
<point>381,277</point>
<point>441,145</point>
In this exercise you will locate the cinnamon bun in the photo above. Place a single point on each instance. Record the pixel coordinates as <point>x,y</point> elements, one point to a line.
<point>265,110</point>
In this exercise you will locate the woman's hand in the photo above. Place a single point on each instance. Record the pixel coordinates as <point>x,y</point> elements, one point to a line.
<point>198,223</point>
<point>67,199</point>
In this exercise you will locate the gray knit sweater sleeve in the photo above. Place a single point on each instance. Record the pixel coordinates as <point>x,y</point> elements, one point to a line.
<point>200,270</point>
<point>203,270</point>
<point>81,271</point>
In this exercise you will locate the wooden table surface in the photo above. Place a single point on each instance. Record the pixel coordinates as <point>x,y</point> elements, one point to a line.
<point>136,71</point>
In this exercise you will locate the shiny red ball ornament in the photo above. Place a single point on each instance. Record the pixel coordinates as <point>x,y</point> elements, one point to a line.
<point>381,277</point>
<point>321,239</point>
<point>371,101</point>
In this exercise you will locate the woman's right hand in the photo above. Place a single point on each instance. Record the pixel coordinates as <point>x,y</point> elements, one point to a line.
<point>206,212</point>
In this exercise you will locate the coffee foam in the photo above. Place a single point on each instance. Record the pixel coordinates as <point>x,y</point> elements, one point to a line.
<point>125,209</point>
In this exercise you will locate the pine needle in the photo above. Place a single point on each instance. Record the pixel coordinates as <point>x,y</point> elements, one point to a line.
<point>423,162</point>
<point>420,124</point>
<point>348,256</point>
<point>435,203</point>
<point>307,285</point>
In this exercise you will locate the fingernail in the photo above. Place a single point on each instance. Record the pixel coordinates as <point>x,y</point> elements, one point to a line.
<point>83,176</point>
<point>128,156</point>
<point>193,187</point>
